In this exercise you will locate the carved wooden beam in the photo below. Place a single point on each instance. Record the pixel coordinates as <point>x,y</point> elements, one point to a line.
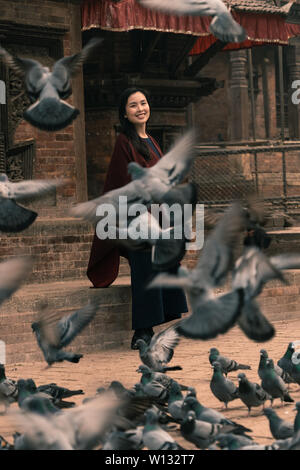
<point>148,49</point>
<point>204,58</point>
<point>188,45</point>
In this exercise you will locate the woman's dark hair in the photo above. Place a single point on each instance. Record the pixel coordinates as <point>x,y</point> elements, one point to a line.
<point>127,127</point>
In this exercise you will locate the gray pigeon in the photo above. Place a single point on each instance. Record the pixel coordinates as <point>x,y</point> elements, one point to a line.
<point>279,371</point>
<point>211,315</point>
<point>8,389</point>
<point>228,365</point>
<point>175,402</point>
<point>48,90</point>
<point>156,438</point>
<point>252,271</point>
<point>149,185</point>
<point>13,217</point>
<point>160,350</point>
<point>274,385</point>
<point>251,393</point>
<point>286,361</point>
<point>223,26</point>
<point>210,415</point>
<point>280,429</point>
<point>201,433</point>
<point>53,334</point>
<point>222,388</point>
<point>233,442</point>
<point>132,439</point>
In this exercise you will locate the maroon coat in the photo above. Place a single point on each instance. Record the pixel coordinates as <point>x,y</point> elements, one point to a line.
<point>103,267</point>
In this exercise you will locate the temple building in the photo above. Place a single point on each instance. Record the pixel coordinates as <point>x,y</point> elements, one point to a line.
<point>236,95</point>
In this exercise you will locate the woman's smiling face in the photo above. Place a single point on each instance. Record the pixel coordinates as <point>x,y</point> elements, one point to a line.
<point>137,108</point>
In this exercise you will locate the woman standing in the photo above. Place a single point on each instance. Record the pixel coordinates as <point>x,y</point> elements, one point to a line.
<point>149,307</point>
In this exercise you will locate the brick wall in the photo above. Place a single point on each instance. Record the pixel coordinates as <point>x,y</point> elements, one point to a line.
<point>57,153</point>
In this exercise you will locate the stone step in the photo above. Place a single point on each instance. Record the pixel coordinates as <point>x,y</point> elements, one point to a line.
<point>111,326</point>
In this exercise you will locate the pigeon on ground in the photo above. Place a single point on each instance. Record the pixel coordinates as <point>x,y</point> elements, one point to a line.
<point>8,389</point>
<point>53,334</point>
<point>279,371</point>
<point>228,365</point>
<point>160,351</point>
<point>234,442</point>
<point>286,361</point>
<point>211,315</point>
<point>83,427</point>
<point>222,388</point>
<point>223,26</point>
<point>274,385</point>
<point>251,393</point>
<point>201,433</point>
<point>175,401</point>
<point>297,417</point>
<point>124,440</point>
<point>280,429</point>
<point>150,376</point>
<point>154,437</point>
<point>210,415</point>
<point>13,217</point>
<point>48,90</point>
<point>57,392</point>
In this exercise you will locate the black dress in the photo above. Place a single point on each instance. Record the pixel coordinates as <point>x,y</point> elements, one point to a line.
<point>151,307</point>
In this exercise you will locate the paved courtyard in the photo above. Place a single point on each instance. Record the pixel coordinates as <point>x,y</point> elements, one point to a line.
<point>95,370</point>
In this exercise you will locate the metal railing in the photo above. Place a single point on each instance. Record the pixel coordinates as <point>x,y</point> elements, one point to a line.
<point>224,172</point>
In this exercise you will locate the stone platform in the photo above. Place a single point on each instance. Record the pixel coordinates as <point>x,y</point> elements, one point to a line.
<point>62,251</point>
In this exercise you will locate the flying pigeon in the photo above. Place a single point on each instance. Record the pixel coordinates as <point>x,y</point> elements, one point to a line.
<point>223,26</point>
<point>53,334</point>
<point>148,185</point>
<point>13,217</point>
<point>228,365</point>
<point>160,350</point>
<point>211,315</point>
<point>252,271</point>
<point>49,90</point>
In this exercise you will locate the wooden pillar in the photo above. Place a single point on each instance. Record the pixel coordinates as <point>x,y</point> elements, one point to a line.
<point>294,74</point>
<point>78,96</point>
<point>238,96</point>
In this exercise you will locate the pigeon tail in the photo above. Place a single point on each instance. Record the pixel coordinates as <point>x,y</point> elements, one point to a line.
<point>167,253</point>
<point>50,114</point>
<point>213,317</point>
<point>287,398</point>
<point>225,28</point>
<point>166,369</point>
<point>254,324</point>
<point>243,366</point>
<point>15,218</point>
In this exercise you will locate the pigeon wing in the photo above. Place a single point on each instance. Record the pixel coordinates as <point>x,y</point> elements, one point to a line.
<point>162,344</point>
<point>186,7</point>
<point>217,256</point>
<point>174,166</point>
<point>74,62</point>
<point>286,261</point>
<point>20,66</point>
<point>30,190</point>
<point>70,326</point>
